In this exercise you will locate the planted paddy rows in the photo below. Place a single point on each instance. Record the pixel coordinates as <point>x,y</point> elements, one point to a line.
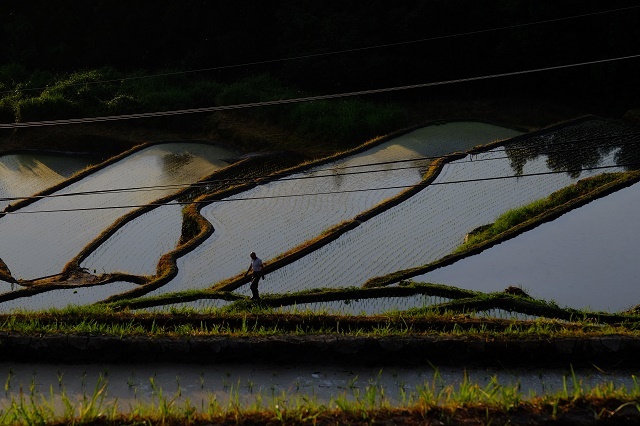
<point>137,245</point>
<point>391,239</point>
<point>368,306</point>
<point>568,260</point>
<point>422,229</point>
<point>273,226</point>
<point>483,201</point>
<point>40,244</point>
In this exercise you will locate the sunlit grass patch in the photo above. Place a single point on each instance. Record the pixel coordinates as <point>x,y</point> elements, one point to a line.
<point>585,188</point>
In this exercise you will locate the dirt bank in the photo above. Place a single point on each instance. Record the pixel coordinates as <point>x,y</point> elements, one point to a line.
<point>603,351</point>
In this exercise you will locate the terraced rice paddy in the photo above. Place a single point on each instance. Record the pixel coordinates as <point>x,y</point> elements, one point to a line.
<point>279,215</point>
<point>424,228</point>
<point>136,246</point>
<point>567,260</point>
<point>273,226</point>
<point>61,298</point>
<point>23,175</point>
<point>39,239</point>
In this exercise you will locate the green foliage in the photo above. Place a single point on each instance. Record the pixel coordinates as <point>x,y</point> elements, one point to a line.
<point>344,119</point>
<point>46,107</point>
<point>106,91</point>
<point>123,104</point>
<point>515,217</point>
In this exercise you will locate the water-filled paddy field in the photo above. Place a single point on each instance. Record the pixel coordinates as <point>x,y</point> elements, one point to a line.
<point>590,251</point>
<point>39,239</point>
<point>26,174</point>
<point>273,226</point>
<point>276,216</point>
<point>467,193</point>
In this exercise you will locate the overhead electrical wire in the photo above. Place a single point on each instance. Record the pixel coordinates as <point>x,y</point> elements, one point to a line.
<point>275,178</point>
<point>337,52</point>
<point>269,197</point>
<point>302,99</point>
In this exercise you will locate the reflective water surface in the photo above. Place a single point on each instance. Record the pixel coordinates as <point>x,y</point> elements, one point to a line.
<point>587,258</point>
<point>61,298</point>
<point>271,226</point>
<point>38,240</point>
<point>142,383</point>
<point>468,193</point>
<point>22,175</point>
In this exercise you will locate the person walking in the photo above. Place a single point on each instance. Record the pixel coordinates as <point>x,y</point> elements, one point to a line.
<point>256,269</point>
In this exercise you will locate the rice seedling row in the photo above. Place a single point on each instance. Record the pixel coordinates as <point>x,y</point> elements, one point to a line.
<point>577,257</point>
<point>270,227</point>
<point>40,244</point>
<point>62,298</point>
<point>131,394</point>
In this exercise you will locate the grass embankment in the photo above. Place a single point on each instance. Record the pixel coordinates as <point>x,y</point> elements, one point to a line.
<point>243,317</point>
<point>457,303</point>
<point>431,403</point>
<point>583,190</point>
<point>522,219</point>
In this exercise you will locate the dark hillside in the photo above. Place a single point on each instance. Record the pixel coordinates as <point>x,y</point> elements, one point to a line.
<point>415,42</point>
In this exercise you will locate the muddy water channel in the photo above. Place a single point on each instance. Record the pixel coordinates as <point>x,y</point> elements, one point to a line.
<point>135,384</point>
<point>38,240</point>
<point>587,258</point>
<point>272,226</point>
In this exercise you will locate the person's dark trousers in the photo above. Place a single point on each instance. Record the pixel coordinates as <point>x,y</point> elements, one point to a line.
<point>255,279</point>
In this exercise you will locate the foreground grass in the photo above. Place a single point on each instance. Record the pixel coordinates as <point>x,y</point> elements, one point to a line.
<point>264,322</point>
<point>433,402</point>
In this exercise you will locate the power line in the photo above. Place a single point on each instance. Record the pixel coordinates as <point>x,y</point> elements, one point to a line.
<point>275,178</point>
<point>269,197</point>
<point>337,52</point>
<point>299,100</point>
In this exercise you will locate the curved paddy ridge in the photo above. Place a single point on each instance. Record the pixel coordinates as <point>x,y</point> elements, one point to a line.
<point>273,226</point>
<point>40,244</point>
<point>424,228</point>
<point>584,259</point>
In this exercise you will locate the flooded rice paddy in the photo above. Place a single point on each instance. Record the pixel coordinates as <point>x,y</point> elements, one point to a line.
<point>38,240</point>
<point>587,258</point>
<point>143,383</point>
<point>136,246</point>
<point>270,219</point>
<point>23,175</point>
<point>424,228</point>
<point>61,298</point>
<point>275,225</point>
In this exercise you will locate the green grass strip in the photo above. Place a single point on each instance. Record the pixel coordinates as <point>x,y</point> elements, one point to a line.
<point>518,221</point>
